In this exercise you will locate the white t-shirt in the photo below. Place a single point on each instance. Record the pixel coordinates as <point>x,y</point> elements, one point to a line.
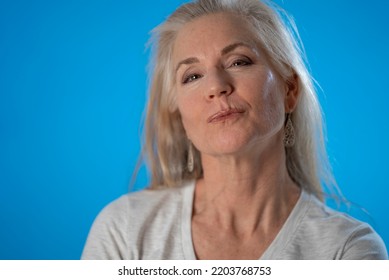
<point>156,224</point>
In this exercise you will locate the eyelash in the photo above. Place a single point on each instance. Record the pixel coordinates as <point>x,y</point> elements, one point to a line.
<point>245,62</point>
<point>190,78</point>
<point>242,63</point>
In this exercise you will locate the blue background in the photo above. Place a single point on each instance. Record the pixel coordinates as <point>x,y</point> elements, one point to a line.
<point>73,79</point>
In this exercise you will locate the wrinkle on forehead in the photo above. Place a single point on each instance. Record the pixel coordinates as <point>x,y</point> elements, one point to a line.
<point>190,34</point>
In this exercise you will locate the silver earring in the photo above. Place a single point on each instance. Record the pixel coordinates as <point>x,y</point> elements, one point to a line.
<point>190,161</point>
<point>289,137</point>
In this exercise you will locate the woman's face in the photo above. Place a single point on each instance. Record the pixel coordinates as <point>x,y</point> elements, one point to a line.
<point>229,97</point>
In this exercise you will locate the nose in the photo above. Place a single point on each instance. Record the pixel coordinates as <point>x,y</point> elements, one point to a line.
<point>219,84</point>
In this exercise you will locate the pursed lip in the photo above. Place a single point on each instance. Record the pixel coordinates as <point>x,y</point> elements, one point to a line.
<point>224,114</point>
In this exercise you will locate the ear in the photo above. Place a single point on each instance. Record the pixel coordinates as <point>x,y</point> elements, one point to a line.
<point>292,89</point>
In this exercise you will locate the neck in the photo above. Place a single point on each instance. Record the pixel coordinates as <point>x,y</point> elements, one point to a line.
<point>240,190</point>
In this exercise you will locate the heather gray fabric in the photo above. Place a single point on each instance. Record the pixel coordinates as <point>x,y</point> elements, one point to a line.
<point>155,224</point>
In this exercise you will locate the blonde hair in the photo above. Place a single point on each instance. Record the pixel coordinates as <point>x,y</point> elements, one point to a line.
<point>166,145</point>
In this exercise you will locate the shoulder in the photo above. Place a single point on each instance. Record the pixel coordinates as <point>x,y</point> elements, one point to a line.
<point>131,220</point>
<point>337,235</point>
<point>142,204</point>
<point>146,200</point>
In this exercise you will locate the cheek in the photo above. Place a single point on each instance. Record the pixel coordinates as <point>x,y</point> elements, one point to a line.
<point>190,113</point>
<point>270,105</point>
<point>273,104</point>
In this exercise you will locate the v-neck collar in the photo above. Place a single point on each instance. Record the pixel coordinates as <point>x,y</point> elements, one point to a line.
<point>281,240</point>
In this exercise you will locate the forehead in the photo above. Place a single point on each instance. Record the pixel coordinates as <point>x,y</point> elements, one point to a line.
<point>212,32</point>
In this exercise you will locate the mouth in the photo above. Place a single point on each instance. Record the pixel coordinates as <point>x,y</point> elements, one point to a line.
<point>224,115</point>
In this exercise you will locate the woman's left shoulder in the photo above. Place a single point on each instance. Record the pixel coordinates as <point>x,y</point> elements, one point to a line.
<point>352,239</point>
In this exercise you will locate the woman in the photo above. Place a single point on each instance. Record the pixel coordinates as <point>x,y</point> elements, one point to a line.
<point>235,147</point>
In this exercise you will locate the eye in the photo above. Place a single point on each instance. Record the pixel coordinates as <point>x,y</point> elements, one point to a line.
<point>190,78</point>
<point>241,62</point>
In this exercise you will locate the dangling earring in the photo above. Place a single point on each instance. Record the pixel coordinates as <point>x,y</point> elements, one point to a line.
<point>190,162</point>
<point>289,137</point>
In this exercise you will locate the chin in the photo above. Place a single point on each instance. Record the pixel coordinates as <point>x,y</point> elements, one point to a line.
<point>240,144</point>
<point>230,146</point>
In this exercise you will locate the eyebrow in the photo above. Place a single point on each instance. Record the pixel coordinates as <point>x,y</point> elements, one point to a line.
<point>189,60</point>
<point>224,51</point>
<point>233,46</point>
